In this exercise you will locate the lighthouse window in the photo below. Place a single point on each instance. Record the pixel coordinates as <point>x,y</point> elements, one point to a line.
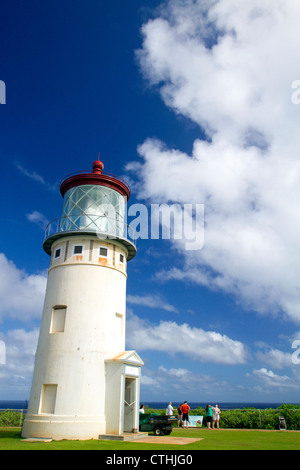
<point>121,258</point>
<point>58,319</point>
<point>103,251</point>
<point>57,253</point>
<point>78,249</point>
<point>48,399</point>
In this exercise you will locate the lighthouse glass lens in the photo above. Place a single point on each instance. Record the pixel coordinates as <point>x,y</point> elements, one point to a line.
<point>93,208</point>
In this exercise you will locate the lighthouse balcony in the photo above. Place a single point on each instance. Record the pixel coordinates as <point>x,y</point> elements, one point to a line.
<point>98,225</point>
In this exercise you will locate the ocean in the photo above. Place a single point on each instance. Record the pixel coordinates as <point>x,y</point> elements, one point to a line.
<point>22,405</point>
<point>13,405</point>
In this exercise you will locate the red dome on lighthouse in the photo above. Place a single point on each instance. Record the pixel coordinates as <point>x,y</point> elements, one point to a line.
<point>96,177</point>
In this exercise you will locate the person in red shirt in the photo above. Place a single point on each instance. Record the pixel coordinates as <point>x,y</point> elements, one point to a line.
<point>185,414</point>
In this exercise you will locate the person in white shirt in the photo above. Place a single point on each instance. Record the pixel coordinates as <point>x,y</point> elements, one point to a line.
<point>169,410</point>
<point>216,416</point>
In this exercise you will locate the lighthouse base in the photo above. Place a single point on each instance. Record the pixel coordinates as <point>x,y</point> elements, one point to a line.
<point>114,399</point>
<point>63,427</point>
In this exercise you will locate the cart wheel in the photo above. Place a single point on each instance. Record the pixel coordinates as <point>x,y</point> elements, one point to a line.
<point>158,432</point>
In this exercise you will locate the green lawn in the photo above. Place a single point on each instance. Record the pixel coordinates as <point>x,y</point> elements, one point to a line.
<point>10,439</point>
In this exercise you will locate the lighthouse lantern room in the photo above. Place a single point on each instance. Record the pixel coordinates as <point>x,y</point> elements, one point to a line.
<point>85,384</point>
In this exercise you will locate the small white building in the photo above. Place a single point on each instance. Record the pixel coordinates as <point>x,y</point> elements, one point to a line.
<point>85,384</point>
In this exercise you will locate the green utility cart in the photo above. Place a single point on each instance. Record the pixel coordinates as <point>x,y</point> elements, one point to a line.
<point>153,422</point>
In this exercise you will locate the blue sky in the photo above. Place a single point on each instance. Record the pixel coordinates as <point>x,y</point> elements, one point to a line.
<point>191,103</point>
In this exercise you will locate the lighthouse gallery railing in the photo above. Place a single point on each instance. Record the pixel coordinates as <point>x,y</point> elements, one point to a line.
<point>103,226</point>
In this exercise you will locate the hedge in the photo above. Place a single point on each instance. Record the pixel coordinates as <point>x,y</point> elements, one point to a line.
<point>246,418</point>
<point>11,418</point>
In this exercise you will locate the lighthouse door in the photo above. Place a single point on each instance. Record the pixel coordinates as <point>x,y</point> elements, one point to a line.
<point>130,405</point>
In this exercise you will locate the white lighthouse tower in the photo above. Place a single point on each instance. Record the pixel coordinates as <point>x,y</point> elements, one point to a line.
<point>85,384</point>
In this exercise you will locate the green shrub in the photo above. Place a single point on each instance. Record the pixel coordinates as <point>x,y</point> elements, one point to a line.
<point>198,412</point>
<point>288,407</point>
<point>11,418</point>
<point>250,418</point>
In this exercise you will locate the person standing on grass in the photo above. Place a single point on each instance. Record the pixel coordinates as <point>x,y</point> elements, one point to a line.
<point>208,413</point>
<point>179,411</point>
<point>216,417</point>
<point>169,410</point>
<point>142,410</point>
<point>185,414</point>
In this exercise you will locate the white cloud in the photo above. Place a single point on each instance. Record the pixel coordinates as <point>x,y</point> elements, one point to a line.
<point>185,384</point>
<point>275,358</point>
<point>214,63</point>
<point>33,175</point>
<point>152,301</point>
<point>16,373</point>
<point>270,379</point>
<point>149,381</point>
<point>21,294</point>
<point>38,218</point>
<point>182,378</point>
<point>179,373</point>
<point>196,343</point>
